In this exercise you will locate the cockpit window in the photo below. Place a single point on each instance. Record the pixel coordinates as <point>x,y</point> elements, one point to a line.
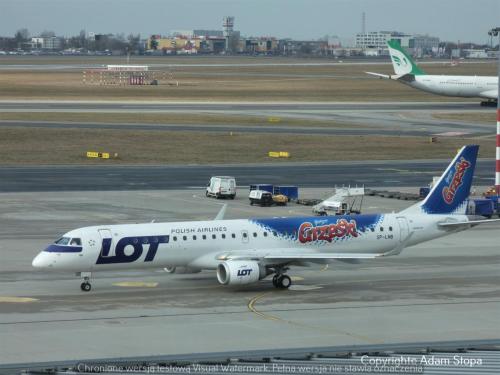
<point>75,242</point>
<point>62,241</point>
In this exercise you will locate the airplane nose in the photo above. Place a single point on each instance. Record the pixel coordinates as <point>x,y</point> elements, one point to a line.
<point>39,261</point>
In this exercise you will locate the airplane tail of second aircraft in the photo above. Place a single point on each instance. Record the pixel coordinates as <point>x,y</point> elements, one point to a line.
<point>449,195</point>
<point>402,62</point>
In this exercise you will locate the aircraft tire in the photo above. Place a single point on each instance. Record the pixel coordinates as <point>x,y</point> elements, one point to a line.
<point>85,287</point>
<point>285,281</point>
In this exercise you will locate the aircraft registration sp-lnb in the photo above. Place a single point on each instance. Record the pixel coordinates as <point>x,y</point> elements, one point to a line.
<point>246,251</point>
<point>409,73</point>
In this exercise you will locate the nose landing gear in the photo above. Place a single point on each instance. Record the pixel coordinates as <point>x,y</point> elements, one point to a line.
<point>85,286</point>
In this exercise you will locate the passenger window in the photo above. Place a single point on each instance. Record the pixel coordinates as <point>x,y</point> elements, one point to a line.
<point>233,235</point>
<point>223,236</point>
<point>76,242</point>
<point>175,238</point>
<point>254,234</point>
<point>381,229</point>
<point>214,236</point>
<point>204,236</point>
<point>184,238</point>
<point>390,229</point>
<point>245,235</point>
<point>194,238</point>
<point>265,234</point>
<point>274,233</point>
<point>372,229</point>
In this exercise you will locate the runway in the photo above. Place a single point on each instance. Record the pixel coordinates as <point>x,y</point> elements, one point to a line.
<point>442,290</point>
<point>101,178</point>
<point>385,119</point>
<point>143,106</point>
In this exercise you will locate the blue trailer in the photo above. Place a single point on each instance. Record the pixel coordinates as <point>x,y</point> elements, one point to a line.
<point>264,187</point>
<point>481,206</point>
<point>496,203</point>
<point>423,192</point>
<point>291,192</point>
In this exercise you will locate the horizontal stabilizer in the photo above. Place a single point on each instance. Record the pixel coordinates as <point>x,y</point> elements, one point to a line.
<point>467,223</point>
<point>381,76</point>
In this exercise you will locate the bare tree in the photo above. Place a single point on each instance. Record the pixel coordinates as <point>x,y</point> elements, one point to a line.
<point>47,34</point>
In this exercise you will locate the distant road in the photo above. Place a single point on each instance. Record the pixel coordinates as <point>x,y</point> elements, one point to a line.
<point>379,173</point>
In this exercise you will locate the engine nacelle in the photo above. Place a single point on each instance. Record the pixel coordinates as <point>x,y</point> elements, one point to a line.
<point>237,272</point>
<point>181,270</point>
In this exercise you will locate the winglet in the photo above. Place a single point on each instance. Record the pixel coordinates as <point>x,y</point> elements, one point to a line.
<point>222,213</point>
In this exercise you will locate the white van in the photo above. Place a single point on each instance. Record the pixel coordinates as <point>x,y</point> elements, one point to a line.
<point>221,187</point>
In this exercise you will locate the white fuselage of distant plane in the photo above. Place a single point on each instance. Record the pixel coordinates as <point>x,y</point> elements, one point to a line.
<point>460,86</point>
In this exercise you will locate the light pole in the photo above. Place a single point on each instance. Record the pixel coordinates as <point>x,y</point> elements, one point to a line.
<point>496,32</point>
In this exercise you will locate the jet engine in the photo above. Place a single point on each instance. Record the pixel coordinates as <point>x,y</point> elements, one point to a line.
<point>236,272</point>
<point>181,270</point>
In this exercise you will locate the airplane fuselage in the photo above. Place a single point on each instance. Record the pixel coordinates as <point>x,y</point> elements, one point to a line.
<point>205,244</point>
<point>459,86</point>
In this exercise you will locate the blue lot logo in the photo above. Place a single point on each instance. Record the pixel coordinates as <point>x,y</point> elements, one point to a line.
<point>136,243</point>
<point>245,272</point>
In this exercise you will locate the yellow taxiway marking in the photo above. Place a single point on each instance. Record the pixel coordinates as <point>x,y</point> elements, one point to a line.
<point>136,284</point>
<point>297,278</point>
<point>251,307</point>
<point>17,299</point>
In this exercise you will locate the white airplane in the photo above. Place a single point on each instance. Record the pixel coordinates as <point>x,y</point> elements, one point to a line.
<point>246,251</point>
<point>409,73</point>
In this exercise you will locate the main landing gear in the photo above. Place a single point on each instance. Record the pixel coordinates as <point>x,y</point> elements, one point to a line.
<point>489,103</point>
<point>280,280</point>
<point>85,286</point>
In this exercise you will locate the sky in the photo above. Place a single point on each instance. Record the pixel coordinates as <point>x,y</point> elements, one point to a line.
<point>450,20</point>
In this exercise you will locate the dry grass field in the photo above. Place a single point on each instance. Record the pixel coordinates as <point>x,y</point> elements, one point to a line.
<point>68,146</point>
<point>227,83</point>
<point>252,82</point>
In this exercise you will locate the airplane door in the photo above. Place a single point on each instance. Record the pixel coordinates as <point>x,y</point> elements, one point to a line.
<point>404,230</point>
<point>107,242</point>
<point>244,236</point>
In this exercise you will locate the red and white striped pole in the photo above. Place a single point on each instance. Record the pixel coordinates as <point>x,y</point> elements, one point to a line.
<point>495,32</point>
<point>497,169</point>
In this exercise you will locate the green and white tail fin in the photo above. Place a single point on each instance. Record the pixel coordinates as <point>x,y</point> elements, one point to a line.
<point>401,61</point>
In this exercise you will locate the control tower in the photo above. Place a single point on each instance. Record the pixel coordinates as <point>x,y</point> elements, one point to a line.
<point>228,28</point>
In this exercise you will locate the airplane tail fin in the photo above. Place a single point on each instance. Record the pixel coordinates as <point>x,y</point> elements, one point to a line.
<point>401,61</point>
<point>449,195</point>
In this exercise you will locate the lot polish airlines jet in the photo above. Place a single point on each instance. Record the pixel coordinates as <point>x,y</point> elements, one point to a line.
<point>246,251</point>
<point>409,73</point>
